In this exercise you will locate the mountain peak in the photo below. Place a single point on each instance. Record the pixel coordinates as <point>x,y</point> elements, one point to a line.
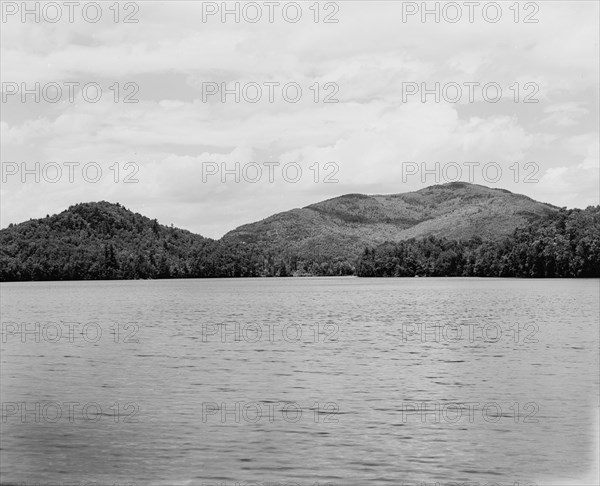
<point>460,185</point>
<point>346,224</point>
<point>103,240</point>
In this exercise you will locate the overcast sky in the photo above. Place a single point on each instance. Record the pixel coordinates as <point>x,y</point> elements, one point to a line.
<point>375,138</point>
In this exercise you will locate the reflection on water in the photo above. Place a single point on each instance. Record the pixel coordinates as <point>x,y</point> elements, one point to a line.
<point>347,381</point>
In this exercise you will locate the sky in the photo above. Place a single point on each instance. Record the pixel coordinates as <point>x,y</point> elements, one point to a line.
<point>208,115</point>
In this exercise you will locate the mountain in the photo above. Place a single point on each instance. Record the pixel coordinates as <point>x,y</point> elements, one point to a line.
<point>564,245</point>
<point>95,241</point>
<point>454,229</point>
<point>342,227</point>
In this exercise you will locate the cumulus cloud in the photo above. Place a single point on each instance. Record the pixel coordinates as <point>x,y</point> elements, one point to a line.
<point>361,65</point>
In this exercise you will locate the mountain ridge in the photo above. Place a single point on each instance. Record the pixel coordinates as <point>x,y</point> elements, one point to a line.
<point>455,210</point>
<point>458,229</point>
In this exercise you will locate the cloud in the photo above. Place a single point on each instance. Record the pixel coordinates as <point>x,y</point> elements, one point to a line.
<point>564,114</point>
<point>362,62</point>
<point>577,183</point>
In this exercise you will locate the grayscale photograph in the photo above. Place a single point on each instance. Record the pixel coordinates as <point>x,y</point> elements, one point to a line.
<point>300,243</point>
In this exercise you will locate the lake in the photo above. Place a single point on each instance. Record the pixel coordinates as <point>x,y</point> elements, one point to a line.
<point>339,381</point>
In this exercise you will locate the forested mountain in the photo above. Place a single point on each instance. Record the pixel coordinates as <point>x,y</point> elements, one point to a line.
<point>95,241</point>
<point>564,245</point>
<point>343,226</point>
<point>451,230</point>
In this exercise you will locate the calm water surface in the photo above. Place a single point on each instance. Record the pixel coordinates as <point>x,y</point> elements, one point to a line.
<point>346,381</point>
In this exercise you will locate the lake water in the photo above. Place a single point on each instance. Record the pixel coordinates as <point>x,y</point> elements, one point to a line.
<point>301,381</point>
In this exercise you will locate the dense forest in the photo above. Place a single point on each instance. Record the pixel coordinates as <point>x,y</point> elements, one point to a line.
<point>94,241</point>
<point>104,241</point>
<point>566,244</point>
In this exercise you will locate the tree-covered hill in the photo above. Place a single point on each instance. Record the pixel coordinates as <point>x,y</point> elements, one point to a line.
<point>343,226</point>
<point>450,230</point>
<point>104,241</point>
<point>96,241</point>
<point>566,244</point>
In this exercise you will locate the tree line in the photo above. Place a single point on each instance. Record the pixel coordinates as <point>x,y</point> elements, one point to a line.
<point>103,241</point>
<point>564,245</point>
